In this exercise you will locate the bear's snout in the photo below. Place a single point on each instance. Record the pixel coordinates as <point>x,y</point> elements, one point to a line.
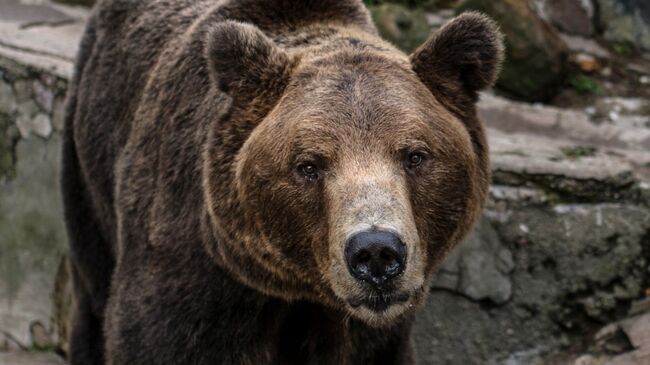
<point>375,257</point>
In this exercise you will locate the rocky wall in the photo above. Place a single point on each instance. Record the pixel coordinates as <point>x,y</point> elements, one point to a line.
<point>32,237</point>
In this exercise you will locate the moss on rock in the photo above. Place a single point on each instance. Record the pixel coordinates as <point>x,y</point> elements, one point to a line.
<point>405,28</point>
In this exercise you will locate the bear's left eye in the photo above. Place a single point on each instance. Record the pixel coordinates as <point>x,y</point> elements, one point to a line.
<point>414,160</point>
<point>309,170</point>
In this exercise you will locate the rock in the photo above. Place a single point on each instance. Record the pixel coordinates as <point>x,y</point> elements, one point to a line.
<point>41,337</point>
<point>7,100</point>
<point>77,2</point>
<point>30,358</point>
<point>478,268</point>
<point>44,96</point>
<point>8,137</point>
<point>584,250</point>
<point>571,16</point>
<point>33,237</point>
<point>530,357</point>
<point>640,306</point>
<point>586,62</point>
<point>439,18</point>
<point>39,125</point>
<point>585,45</point>
<point>536,57</point>
<point>513,121</point>
<point>22,91</point>
<point>405,28</point>
<point>586,360</point>
<point>627,341</point>
<point>626,21</point>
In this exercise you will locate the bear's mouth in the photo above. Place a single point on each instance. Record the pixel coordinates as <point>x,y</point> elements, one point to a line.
<point>379,302</point>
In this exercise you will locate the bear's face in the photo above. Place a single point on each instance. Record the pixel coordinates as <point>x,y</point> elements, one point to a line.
<point>358,179</point>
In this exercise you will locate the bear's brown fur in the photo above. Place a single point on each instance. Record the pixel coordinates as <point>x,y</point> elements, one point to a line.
<point>218,155</point>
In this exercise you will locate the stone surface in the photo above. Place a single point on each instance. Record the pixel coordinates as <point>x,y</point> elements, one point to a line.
<point>33,237</point>
<point>29,358</point>
<point>570,263</point>
<point>478,268</point>
<point>571,16</point>
<point>40,35</point>
<point>536,57</point>
<point>586,45</point>
<point>7,98</point>
<point>27,14</point>
<point>586,62</point>
<point>626,21</point>
<point>77,2</point>
<point>38,124</point>
<point>405,28</point>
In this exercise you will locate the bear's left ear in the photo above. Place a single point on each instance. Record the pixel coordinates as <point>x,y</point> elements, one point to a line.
<point>461,58</point>
<point>244,63</point>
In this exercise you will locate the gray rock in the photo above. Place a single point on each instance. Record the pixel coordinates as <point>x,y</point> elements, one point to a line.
<point>586,45</point>
<point>30,358</point>
<point>42,125</point>
<point>626,21</point>
<point>7,99</point>
<point>22,90</point>
<point>592,255</point>
<point>33,237</point>
<point>405,28</point>
<point>571,16</point>
<point>478,267</point>
<point>58,111</point>
<point>44,96</point>
<point>571,262</point>
<point>29,121</point>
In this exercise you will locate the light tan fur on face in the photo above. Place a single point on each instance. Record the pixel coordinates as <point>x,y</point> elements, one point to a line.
<point>369,192</point>
<point>356,107</point>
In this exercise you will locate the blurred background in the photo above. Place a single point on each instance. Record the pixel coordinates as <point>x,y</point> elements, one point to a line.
<point>557,271</point>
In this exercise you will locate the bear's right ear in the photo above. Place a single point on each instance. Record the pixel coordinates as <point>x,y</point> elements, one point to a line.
<point>244,62</point>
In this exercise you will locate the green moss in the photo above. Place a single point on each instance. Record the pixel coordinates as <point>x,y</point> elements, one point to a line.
<point>623,48</point>
<point>576,152</point>
<point>47,348</point>
<point>584,84</point>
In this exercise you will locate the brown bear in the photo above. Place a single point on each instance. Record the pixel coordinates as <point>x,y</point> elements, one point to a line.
<point>265,181</point>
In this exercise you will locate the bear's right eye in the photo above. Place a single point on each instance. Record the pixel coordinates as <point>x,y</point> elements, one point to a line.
<point>309,170</point>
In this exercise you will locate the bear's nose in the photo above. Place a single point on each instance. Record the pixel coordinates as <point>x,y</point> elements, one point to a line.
<point>375,257</point>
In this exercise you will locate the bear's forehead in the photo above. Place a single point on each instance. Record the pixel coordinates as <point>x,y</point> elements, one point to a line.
<point>357,100</point>
<point>360,96</point>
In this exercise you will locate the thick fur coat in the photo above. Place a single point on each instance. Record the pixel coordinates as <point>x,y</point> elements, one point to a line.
<point>217,154</point>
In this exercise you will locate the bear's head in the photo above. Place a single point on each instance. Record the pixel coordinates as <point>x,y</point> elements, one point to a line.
<point>344,176</point>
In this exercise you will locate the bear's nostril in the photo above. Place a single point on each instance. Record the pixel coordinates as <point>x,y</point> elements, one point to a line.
<point>375,256</point>
<point>387,255</point>
<point>363,257</point>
